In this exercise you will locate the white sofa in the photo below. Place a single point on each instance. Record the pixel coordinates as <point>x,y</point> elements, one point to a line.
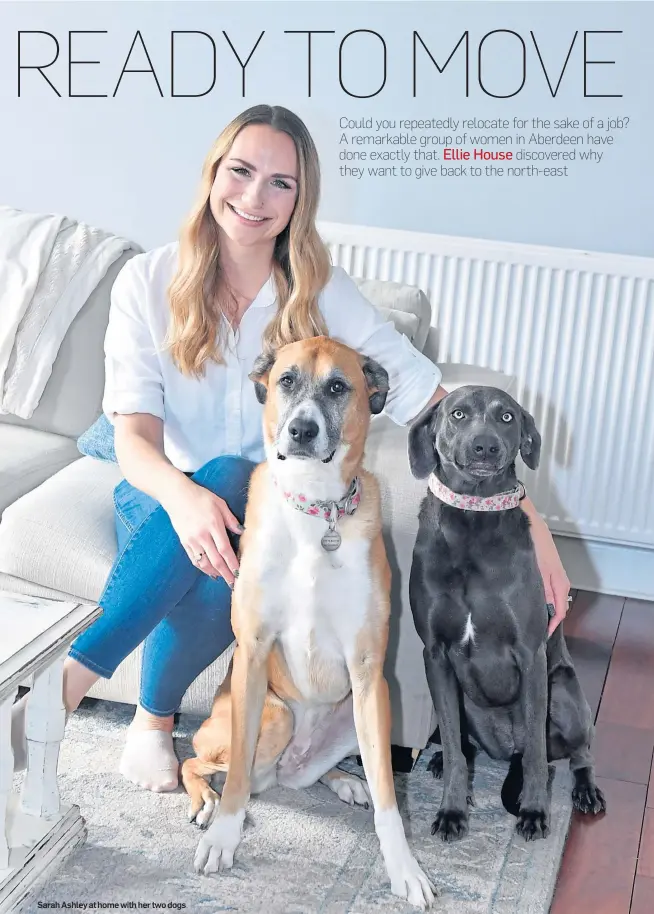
<point>57,534</point>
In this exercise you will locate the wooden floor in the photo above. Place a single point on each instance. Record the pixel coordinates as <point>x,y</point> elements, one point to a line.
<point>608,865</point>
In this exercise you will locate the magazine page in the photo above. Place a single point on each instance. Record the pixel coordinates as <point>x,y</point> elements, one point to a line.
<point>327,440</point>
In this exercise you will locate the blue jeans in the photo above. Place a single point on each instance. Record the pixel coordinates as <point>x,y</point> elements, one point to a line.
<point>154,592</point>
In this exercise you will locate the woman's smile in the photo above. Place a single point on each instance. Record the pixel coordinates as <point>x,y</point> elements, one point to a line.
<point>248,218</point>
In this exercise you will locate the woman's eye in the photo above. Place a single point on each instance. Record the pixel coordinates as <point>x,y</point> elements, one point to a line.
<point>280,183</point>
<point>337,387</point>
<point>507,417</point>
<point>240,170</point>
<point>457,414</point>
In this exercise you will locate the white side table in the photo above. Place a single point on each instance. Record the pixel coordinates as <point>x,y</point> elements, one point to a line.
<point>36,831</point>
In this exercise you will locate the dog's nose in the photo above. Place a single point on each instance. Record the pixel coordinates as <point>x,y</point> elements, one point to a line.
<point>303,431</point>
<point>485,447</point>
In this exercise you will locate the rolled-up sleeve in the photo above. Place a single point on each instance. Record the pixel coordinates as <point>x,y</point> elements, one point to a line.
<point>352,319</point>
<point>133,379</point>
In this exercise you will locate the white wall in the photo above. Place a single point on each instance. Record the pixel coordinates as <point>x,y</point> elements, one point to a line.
<point>131,163</point>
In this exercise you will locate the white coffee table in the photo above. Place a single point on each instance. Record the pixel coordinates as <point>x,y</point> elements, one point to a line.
<point>36,831</point>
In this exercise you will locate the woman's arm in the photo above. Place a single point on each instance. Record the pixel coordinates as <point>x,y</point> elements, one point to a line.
<point>555,579</point>
<point>199,517</point>
<point>138,442</point>
<point>353,320</point>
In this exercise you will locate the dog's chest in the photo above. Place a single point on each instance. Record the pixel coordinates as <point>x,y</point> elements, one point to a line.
<point>316,602</point>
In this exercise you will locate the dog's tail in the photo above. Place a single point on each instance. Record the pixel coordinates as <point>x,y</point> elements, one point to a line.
<point>512,786</point>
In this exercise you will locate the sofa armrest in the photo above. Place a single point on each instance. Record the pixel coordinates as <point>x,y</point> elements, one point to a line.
<point>28,457</point>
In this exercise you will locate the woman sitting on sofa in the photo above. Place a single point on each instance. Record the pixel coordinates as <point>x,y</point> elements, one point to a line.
<point>186,323</point>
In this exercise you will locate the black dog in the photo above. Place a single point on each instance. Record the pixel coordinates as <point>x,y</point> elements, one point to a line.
<point>478,603</point>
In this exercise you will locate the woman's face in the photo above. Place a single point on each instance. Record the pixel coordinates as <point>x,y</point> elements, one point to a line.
<point>255,188</point>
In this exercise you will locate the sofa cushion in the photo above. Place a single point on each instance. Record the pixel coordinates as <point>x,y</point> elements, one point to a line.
<point>10,584</point>
<point>407,306</point>
<point>27,457</point>
<point>61,535</point>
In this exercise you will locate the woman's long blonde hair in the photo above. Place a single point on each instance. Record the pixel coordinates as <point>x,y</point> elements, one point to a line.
<point>301,263</point>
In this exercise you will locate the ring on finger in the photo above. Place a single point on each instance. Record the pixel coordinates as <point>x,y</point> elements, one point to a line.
<point>198,558</point>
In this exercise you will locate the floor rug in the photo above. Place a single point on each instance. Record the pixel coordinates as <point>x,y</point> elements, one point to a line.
<point>303,852</point>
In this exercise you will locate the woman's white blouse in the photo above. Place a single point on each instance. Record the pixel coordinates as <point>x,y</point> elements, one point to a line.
<point>219,413</point>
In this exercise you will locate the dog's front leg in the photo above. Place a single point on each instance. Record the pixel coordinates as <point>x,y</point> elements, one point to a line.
<point>451,820</point>
<point>248,691</point>
<point>533,818</point>
<point>372,716</point>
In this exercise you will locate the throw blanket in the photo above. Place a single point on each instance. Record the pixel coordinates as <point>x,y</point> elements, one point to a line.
<point>49,265</point>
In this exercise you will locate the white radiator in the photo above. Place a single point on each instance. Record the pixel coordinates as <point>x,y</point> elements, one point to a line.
<point>575,329</point>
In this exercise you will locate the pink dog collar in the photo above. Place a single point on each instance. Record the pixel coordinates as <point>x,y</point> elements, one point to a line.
<point>503,501</point>
<point>323,509</point>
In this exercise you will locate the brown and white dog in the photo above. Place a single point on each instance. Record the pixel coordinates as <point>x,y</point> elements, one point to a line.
<point>306,686</point>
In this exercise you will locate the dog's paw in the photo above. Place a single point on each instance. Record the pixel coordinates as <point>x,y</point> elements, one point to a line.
<point>408,881</point>
<point>204,814</point>
<point>216,848</point>
<point>532,824</point>
<point>588,798</point>
<point>436,764</point>
<point>450,824</point>
<point>350,789</point>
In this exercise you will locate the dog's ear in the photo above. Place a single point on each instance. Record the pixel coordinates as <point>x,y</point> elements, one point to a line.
<point>260,371</point>
<point>377,381</point>
<point>529,441</point>
<point>423,456</point>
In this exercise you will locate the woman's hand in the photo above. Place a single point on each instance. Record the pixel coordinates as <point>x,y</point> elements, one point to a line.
<point>201,520</point>
<point>555,579</point>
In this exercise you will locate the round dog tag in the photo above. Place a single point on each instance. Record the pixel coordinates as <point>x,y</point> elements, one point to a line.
<point>331,540</point>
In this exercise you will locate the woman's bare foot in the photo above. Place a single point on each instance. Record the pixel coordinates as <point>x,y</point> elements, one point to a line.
<point>148,758</point>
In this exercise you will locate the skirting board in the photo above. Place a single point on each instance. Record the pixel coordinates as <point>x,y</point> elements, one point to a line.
<point>609,568</point>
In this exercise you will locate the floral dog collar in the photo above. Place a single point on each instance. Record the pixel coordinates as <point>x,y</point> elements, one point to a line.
<point>503,501</point>
<point>323,509</point>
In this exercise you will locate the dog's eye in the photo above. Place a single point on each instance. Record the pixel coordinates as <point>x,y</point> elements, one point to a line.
<point>457,414</point>
<point>507,417</point>
<point>286,381</point>
<point>336,387</point>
